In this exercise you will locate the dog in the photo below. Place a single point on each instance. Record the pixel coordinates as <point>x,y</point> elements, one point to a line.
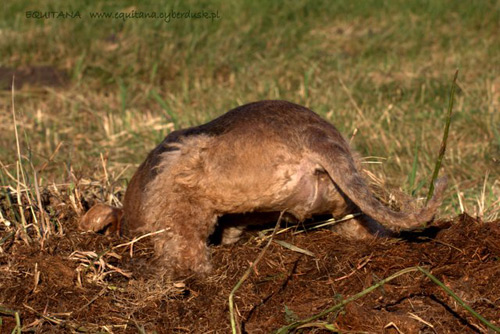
<point>260,158</point>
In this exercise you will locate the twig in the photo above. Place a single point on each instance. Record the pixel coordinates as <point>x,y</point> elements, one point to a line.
<point>139,238</point>
<point>101,293</point>
<point>7,236</point>
<point>53,320</point>
<point>360,265</point>
<point>52,156</point>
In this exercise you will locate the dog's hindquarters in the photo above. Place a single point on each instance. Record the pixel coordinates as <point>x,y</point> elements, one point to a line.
<point>333,154</point>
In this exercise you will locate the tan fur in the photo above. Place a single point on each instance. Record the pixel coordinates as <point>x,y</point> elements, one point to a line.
<point>102,217</point>
<point>268,157</point>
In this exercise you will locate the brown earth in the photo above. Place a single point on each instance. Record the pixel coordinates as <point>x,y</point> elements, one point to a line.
<point>53,291</point>
<point>35,76</point>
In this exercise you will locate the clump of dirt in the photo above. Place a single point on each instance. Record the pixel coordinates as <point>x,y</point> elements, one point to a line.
<point>35,76</point>
<point>78,282</point>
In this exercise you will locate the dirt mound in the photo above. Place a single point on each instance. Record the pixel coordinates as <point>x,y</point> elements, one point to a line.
<point>43,76</point>
<point>84,282</point>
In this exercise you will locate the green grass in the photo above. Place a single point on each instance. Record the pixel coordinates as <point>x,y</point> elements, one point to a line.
<point>131,82</point>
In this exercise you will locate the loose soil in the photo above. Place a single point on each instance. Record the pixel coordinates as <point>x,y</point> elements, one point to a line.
<point>61,287</point>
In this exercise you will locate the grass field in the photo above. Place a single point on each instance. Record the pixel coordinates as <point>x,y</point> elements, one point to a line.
<point>379,70</point>
<point>94,96</point>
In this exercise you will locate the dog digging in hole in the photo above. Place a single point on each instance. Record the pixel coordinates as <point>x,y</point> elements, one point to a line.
<point>260,158</point>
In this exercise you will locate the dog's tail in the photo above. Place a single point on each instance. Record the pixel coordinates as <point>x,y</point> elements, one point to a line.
<point>337,160</point>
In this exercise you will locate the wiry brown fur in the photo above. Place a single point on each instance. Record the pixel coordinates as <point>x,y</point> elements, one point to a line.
<point>267,156</point>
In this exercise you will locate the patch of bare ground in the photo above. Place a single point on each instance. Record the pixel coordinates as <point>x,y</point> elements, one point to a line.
<point>79,282</point>
<point>33,76</point>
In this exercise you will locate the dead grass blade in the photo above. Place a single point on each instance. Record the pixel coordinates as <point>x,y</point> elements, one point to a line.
<point>294,248</point>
